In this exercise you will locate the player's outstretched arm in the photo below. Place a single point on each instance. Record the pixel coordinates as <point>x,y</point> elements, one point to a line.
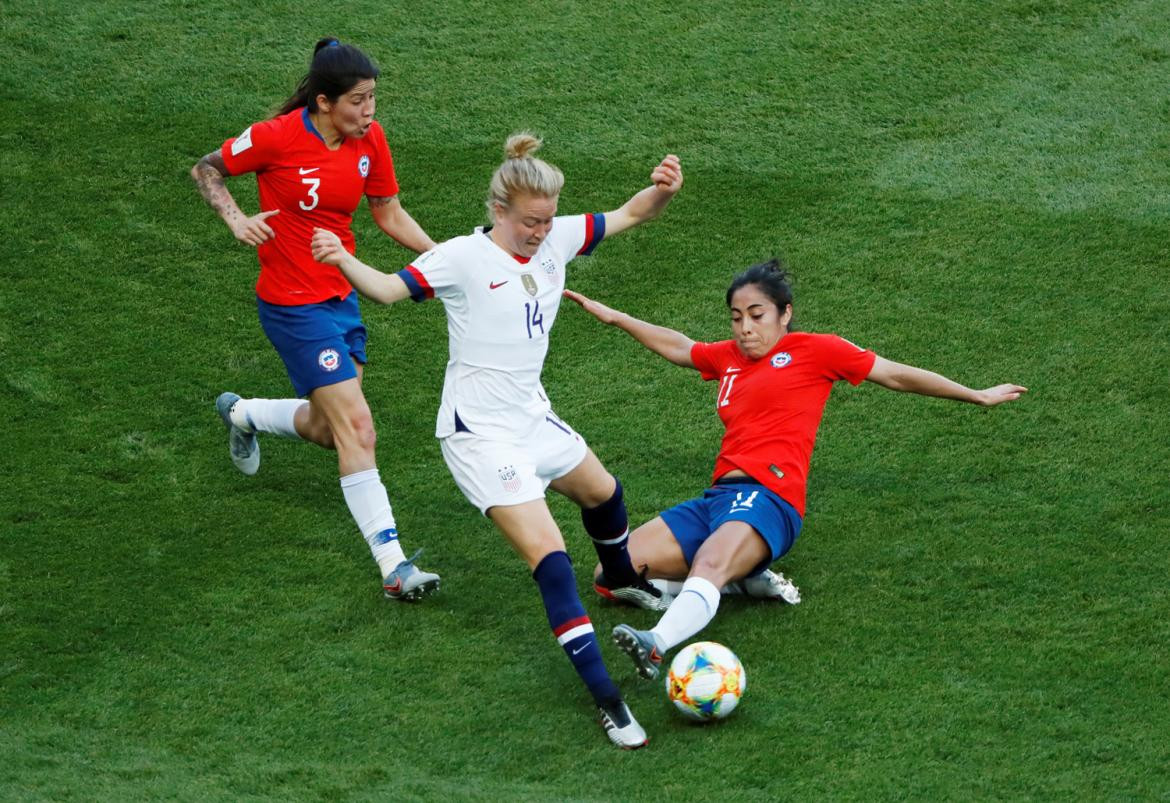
<point>209,173</point>
<point>907,378</point>
<point>370,282</point>
<point>648,204</point>
<point>674,346</point>
<point>393,219</point>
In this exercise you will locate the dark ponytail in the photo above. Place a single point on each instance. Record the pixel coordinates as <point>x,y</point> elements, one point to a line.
<point>333,71</point>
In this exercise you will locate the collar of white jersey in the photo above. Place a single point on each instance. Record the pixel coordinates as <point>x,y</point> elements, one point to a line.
<point>519,262</point>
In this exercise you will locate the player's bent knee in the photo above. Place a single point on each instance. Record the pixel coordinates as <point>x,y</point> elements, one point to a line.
<point>713,565</point>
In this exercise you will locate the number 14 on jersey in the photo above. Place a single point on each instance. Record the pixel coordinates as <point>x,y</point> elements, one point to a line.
<point>533,317</point>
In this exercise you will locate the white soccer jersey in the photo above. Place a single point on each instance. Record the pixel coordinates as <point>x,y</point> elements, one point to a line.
<point>500,311</point>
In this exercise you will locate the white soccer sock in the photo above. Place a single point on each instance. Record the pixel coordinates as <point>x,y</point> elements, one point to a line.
<point>370,506</point>
<point>268,415</point>
<point>690,612</point>
<point>675,587</point>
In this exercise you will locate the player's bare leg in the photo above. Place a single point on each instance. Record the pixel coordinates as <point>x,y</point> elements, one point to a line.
<point>653,546</point>
<point>530,530</point>
<point>339,417</point>
<point>731,551</point>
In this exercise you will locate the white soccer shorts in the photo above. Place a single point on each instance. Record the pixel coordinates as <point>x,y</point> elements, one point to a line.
<point>496,472</point>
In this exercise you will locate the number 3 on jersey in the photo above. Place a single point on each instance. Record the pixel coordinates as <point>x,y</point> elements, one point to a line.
<point>313,183</point>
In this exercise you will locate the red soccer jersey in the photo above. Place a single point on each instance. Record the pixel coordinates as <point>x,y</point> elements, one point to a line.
<point>771,407</point>
<point>311,186</point>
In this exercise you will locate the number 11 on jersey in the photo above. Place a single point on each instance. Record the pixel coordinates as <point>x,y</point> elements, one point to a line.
<point>725,389</point>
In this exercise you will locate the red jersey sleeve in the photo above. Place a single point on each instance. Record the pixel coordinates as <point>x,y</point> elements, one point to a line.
<point>381,183</point>
<point>711,359</point>
<point>844,360</point>
<point>254,149</point>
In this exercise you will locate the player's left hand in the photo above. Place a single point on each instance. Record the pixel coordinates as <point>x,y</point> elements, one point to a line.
<point>1000,394</point>
<point>327,247</point>
<point>668,176</point>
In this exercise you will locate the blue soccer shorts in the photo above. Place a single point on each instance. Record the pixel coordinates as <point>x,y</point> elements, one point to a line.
<point>693,521</point>
<point>319,343</point>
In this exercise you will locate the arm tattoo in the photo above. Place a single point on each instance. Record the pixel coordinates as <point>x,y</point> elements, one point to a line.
<point>380,201</point>
<point>213,189</point>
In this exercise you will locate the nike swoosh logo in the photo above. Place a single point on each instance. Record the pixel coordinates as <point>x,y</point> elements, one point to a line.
<point>304,171</point>
<point>583,646</point>
<point>495,285</point>
<point>394,589</point>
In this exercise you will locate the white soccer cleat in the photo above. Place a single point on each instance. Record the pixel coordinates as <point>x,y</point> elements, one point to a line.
<point>408,582</point>
<point>620,726</point>
<point>771,585</point>
<point>642,647</point>
<point>243,446</point>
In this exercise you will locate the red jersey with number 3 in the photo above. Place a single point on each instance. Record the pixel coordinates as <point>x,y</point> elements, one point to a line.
<point>771,407</point>
<point>312,186</point>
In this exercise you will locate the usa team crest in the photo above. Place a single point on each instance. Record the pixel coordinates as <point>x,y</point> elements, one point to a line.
<point>550,267</point>
<point>510,479</point>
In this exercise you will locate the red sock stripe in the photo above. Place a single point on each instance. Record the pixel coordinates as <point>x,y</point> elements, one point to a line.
<point>569,625</point>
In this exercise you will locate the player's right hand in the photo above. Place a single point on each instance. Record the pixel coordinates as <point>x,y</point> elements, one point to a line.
<point>327,247</point>
<point>253,230</point>
<point>598,310</point>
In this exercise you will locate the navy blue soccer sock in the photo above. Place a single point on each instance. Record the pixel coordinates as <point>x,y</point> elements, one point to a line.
<point>609,527</point>
<point>570,625</point>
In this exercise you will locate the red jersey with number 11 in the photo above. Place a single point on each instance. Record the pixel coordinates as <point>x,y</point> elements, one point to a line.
<point>311,186</point>
<point>771,407</point>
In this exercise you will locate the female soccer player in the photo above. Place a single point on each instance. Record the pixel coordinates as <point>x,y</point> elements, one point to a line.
<point>501,287</point>
<point>313,162</point>
<point>774,383</point>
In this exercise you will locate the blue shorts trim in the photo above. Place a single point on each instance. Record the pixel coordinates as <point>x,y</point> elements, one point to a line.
<point>319,343</point>
<point>693,521</point>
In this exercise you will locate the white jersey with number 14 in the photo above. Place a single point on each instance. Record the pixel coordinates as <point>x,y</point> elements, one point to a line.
<point>499,315</point>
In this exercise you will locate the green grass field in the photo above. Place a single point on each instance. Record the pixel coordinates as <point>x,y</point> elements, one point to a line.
<point>979,188</point>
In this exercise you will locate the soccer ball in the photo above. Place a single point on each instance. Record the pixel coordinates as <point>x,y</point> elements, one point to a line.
<point>705,681</point>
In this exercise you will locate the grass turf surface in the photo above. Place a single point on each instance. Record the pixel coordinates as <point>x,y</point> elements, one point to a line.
<point>977,188</point>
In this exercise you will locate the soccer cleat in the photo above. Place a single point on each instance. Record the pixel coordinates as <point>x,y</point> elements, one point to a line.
<point>243,446</point>
<point>408,582</point>
<point>642,646</point>
<point>770,585</point>
<point>620,725</point>
<point>641,593</point>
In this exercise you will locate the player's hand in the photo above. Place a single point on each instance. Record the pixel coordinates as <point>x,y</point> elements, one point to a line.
<point>327,247</point>
<point>668,176</point>
<point>1000,394</point>
<point>598,310</point>
<point>253,230</point>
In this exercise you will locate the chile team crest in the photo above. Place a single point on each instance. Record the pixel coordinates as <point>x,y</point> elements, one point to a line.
<point>781,359</point>
<point>364,166</point>
<point>329,360</point>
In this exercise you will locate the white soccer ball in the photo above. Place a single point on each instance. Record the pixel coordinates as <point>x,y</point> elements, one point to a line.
<point>705,681</point>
